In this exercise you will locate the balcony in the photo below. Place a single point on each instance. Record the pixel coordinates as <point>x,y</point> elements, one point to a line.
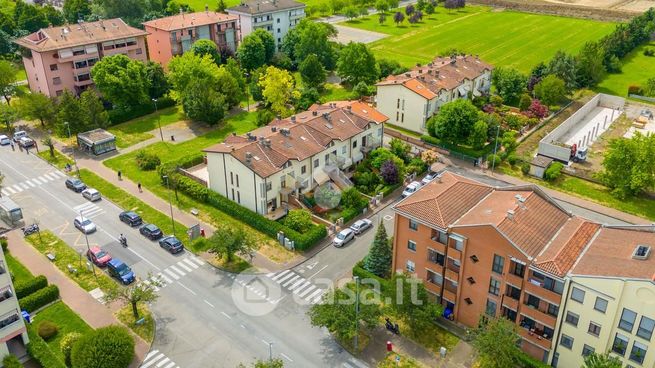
<point>437,246</point>
<point>538,314</point>
<point>370,146</point>
<point>452,275</point>
<point>535,288</point>
<point>510,303</point>
<point>449,295</point>
<point>513,279</point>
<point>435,258</point>
<point>535,336</point>
<point>454,253</point>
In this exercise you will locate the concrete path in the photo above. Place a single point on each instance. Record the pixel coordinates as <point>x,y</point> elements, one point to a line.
<point>92,312</point>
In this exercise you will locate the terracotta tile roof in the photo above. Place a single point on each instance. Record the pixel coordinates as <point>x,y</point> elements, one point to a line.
<point>419,88</point>
<point>610,253</point>
<point>85,33</point>
<point>567,246</point>
<point>265,6</point>
<point>188,20</point>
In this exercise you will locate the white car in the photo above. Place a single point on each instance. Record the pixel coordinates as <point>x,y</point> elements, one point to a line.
<point>4,140</point>
<point>91,194</point>
<point>411,188</point>
<point>84,225</point>
<point>19,134</point>
<point>361,225</point>
<point>428,178</point>
<point>343,237</point>
<point>26,142</point>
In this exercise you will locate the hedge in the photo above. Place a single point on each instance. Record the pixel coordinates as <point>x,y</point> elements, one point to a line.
<point>30,286</point>
<point>40,351</point>
<point>4,243</point>
<point>473,153</point>
<point>39,299</point>
<point>526,361</point>
<point>363,274</point>
<point>185,162</point>
<point>10,361</point>
<point>118,116</point>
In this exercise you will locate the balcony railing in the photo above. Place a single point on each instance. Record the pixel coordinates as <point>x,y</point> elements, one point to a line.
<point>9,319</point>
<point>539,314</point>
<point>452,275</point>
<point>538,290</point>
<point>536,337</point>
<point>511,278</point>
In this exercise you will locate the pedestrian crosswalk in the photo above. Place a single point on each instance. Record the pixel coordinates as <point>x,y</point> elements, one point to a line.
<point>174,272</point>
<point>354,363</point>
<point>298,285</point>
<point>89,210</point>
<point>10,189</point>
<point>156,359</point>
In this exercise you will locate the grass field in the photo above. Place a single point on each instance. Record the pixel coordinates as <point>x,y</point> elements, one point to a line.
<point>138,130</point>
<point>505,38</point>
<point>637,68</point>
<point>66,320</point>
<point>19,272</point>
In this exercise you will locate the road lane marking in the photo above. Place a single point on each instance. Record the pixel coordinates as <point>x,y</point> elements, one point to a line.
<point>190,263</point>
<point>291,280</point>
<point>177,270</point>
<point>5,193</point>
<point>162,362</point>
<point>24,186</point>
<point>226,315</point>
<point>59,174</point>
<point>189,290</point>
<point>303,286</point>
<point>317,272</point>
<point>162,276</point>
<point>279,274</point>
<point>286,357</point>
<point>199,261</point>
<point>31,183</point>
<point>171,364</point>
<point>16,188</point>
<point>150,354</point>
<point>172,274</point>
<point>152,361</point>
<point>181,264</point>
<point>265,342</point>
<point>317,298</point>
<point>37,181</point>
<point>297,283</point>
<point>312,287</point>
<point>49,177</point>
<point>314,294</point>
<point>281,280</point>
<point>244,327</point>
<point>209,304</point>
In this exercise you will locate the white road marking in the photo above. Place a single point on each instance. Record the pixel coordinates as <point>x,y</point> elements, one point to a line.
<point>59,174</point>
<point>163,361</point>
<point>37,181</point>
<point>189,290</point>
<point>24,186</point>
<point>163,277</point>
<point>171,364</point>
<point>49,177</point>
<point>150,354</point>
<point>281,280</point>
<point>16,188</point>
<point>209,304</point>
<point>286,357</point>
<point>244,327</point>
<point>314,294</point>
<point>31,183</point>
<point>199,261</point>
<point>5,193</point>
<point>181,264</point>
<point>312,287</point>
<point>291,280</point>
<point>190,263</point>
<point>297,284</point>
<point>173,274</point>
<point>177,270</point>
<point>279,274</point>
<point>152,361</point>
<point>315,273</point>
<point>317,298</point>
<point>226,315</point>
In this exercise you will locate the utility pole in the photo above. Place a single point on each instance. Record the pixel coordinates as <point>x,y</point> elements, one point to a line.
<point>77,168</point>
<point>247,94</point>
<point>270,351</point>
<point>356,312</point>
<point>158,119</point>
<point>86,238</point>
<point>170,203</point>
<point>493,164</point>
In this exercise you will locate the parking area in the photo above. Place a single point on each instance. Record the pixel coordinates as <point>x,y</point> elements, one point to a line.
<point>348,34</point>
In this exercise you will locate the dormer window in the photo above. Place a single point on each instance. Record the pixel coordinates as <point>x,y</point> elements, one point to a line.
<point>641,252</point>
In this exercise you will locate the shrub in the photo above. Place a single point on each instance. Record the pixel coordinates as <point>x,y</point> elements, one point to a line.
<point>147,161</point>
<point>106,347</point>
<point>634,90</point>
<point>10,361</point>
<point>299,220</point>
<point>524,102</point>
<point>649,52</point>
<point>389,172</point>
<point>553,171</point>
<point>39,299</point>
<point>30,286</point>
<point>350,213</point>
<point>4,244</point>
<point>40,351</point>
<point>525,168</point>
<point>66,345</point>
<point>512,159</point>
<point>493,160</point>
<point>352,198</point>
<point>359,270</point>
<point>47,330</point>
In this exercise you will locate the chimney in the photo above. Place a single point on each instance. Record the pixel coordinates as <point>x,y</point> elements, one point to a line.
<point>327,117</point>
<point>408,75</point>
<point>273,129</point>
<point>248,158</point>
<point>510,214</point>
<point>293,119</point>
<point>267,143</point>
<point>278,117</point>
<point>314,113</point>
<point>430,71</point>
<point>520,201</point>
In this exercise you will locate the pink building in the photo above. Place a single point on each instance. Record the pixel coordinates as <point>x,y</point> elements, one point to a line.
<point>174,35</point>
<point>59,58</point>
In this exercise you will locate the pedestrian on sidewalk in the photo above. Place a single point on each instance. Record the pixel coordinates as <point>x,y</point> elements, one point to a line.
<point>119,175</point>
<point>27,150</point>
<point>20,148</point>
<point>139,186</point>
<point>13,148</point>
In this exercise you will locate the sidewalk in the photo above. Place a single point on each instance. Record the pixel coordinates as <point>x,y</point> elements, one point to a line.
<point>91,311</point>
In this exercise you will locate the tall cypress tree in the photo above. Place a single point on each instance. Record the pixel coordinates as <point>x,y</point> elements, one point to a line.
<point>378,260</point>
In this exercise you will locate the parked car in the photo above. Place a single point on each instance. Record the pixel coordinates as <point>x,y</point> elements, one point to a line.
<point>343,237</point>
<point>131,218</point>
<point>411,188</point>
<point>171,244</point>
<point>4,140</point>
<point>361,225</point>
<point>98,256</point>
<point>84,225</point>
<point>75,185</point>
<point>26,142</point>
<point>119,270</point>
<point>18,135</point>
<point>91,194</point>
<point>151,231</point>
<point>428,178</point>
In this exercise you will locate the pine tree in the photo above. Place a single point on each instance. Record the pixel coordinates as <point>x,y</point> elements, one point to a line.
<point>378,260</point>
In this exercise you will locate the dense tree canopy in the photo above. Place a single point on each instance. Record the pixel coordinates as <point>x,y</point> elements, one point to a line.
<point>509,83</point>
<point>357,64</point>
<point>121,80</point>
<point>278,89</point>
<point>75,10</point>
<point>312,72</point>
<point>496,344</point>
<point>37,106</point>
<point>204,47</point>
<point>310,37</point>
<point>550,90</point>
<point>378,260</point>
<point>106,347</point>
<point>564,66</point>
<point>251,52</point>
<point>590,68</point>
<point>629,165</point>
<point>455,121</point>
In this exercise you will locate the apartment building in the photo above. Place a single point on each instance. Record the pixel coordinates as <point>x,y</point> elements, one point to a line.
<point>275,16</point>
<point>411,98</point>
<point>12,327</point>
<point>59,58</point>
<point>171,36</point>
<point>261,169</point>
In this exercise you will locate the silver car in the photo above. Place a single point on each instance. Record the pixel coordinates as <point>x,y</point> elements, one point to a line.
<point>84,225</point>
<point>91,194</point>
<point>343,237</point>
<point>428,178</point>
<point>361,225</point>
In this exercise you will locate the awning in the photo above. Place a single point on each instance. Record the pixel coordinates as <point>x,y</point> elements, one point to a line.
<point>358,156</point>
<point>462,90</point>
<point>321,177</point>
<point>346,164</point>
<point>476,93</point>
<point>286,190</point>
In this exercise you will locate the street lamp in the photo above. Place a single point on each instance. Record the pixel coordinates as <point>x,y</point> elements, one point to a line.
<point>356,312</point>
<point>77,168</point>
<point>158,120</point>
<point>270,351</point>
<point>247,94</point>
<point>86,238</point>
<point>493,164</point>
<point>170,202</point>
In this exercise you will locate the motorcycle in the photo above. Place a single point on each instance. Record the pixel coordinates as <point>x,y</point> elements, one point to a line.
<point>123,241</point>
<point>392,327</point>
<point>29,230</point>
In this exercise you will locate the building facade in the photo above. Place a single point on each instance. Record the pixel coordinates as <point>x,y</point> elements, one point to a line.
<point>12,325</point>
<point>171,36</point>
<point>411,98</point>
<point>293,155</point>
<point>275,16</point>
<point>60,58</point>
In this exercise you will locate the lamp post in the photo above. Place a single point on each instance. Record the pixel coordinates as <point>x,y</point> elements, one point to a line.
<point>356,313</point>
<point>247,93</point>
<point>270,351</point>
<point>493,164</point>
<point>170,202</point>
<point>86,238</point>
<point>158,120</point>
<point>77,168</point>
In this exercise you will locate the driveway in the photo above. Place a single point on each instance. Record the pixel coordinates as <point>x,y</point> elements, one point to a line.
<point>348,34</point>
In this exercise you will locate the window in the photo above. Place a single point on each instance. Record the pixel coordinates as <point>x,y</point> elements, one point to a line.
<point>53,67</point>
<point>231,178</point>
<point>343,150</point>
<point>303,169</point>
<point>474,258</point>
<point>491,308</point>
<point>459,245</point>
<point>519,269</point>
<point>9,320</point>
<point>402,117</point>
<point>620,344</point>
<point>577,295</point>
<point>553,309</point>
<point>513,292</point>
<point>600,305</point>
<point>139,51</point>
<point>397,115</point>
<point>566,341</point>
<point>411,245</point>
<point>56,81</point>
<point>237,180</point>
<point>413,225</point>
<point>499,263</point>
<point>494,286</point>
<point>533,301</point>
<point>269,186</point>
<point>3,269</point>
<point>627,321</point>
<point>436,257</point>
<point>315,163</point>
<point>645,329</point>
<point>587,350</point>
<point>471,280</point>
<point>434,278</point>
<point>5,294</point>
<point>468,301</point>
<point>278,20</point>
<point>397,105</point>
<point>233,194</point>
<point>572,318</point>
<point>327,158</point>
<point>59,92</point>
<point>410,266</point>
<point>238,197</point>
<point>594,329</point>
<point>638,352</point>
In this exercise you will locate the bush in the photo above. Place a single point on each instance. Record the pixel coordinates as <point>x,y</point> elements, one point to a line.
<point>524,102</point>
<point>525,168</point>
<point>106,347</point>
<point>526,361</point>
<point>47,330</point>
<point>4,243</point>
<point>185,162</point>
<point>512,159</point>
<point>493,160</point>
<point>40,351</point>
<point>39,299</point>
<point>30,286</point>
<point>359,270</point>
<point>10,361</point>
<point>299,220</point>
<point>66,345</point>
<point>147,161</point>
<point>118,115</point>
<point>634,90</point>
<point>553,171</point>
<point>352,198</point>
<point>649,52</point>
<point>350,213</point>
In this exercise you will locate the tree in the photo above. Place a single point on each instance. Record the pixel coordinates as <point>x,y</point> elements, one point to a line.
<point>564,66</point>
<point>412,302</point>
<point>268,41</point>
<point>131,11</point>
<point>139,292</point>
<point>362,89</point>
<point>48,142</point>
<point>313,38</point>
<point>69,110</point>
<point>398,18</point>
<point>264,117</point>
<point>454,121</point>
<point>228,241</point>
<point>105,347</point>
<point>299,220</point>
<point>204,47</point>
<point>10,361</point>
<point>203,104</point>
<point>156,80</point>
<point>308,97</point>
<point>7,80</point>
<point>596,360</point>
<point>251,52</point>
<point>95,115</point>
<point>382,18</point>
<point>649,88</point>
<point>312,72</point>
<point>121,80</point>
<point>220,8</point>
<point>52,15</point>
<point>430,7</point>
<point>478,137</point>
<point>275,363</point>
<point>551,90</point>
<point>389,172</point>
<point>400,149</point>
<point>378,260</point>
<point>191,68</point>
<point>537,109</point>
<point>381,6</point>
<point>509,83</point>
<point>75,10</point>
<point>66,345</point>
<point>228,86</point>
<point>629,165</point>
<point>524,102</point>
<point>277,89</point>
<point>393,4</point>
<point>590,68</point>
<point>8,116</point>
<point>29,17</point>
<point>357,64</point>
<point>388,67</point>
<point>409,10</point>
<point>37,106</point>
<point>351,12</point>
<point>496,343</point>
<point>508,142</point>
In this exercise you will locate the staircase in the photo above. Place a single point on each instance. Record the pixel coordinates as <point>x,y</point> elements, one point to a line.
<point>338,177</point>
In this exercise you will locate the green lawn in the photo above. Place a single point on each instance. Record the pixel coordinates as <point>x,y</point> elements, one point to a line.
<point>20,74</point>
<point>146,329</point>
<point>637,68</point>
<point>331,92</point>
<point>19,272</point>
<point>66,320</point>
<point>60,160</point>
<point>502,38</point>
<point>138,130</point>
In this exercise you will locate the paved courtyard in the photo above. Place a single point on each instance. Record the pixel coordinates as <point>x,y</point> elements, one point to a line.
<point>347,34</point>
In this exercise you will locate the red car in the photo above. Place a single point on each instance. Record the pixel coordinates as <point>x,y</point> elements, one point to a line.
<point>98,256</point>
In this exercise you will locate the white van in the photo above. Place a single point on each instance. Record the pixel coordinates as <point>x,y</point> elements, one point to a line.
<point>19,134</point>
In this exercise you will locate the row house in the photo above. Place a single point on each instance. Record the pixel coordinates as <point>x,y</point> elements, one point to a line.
<point>60,58</point>
<point>289,156</point>
<point>13,333</point>
<point>275,16</point>
<point>411,98</point>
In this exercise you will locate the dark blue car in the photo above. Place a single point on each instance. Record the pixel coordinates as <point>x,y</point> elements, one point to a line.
<point>119,270</point>
<point>171,244</point>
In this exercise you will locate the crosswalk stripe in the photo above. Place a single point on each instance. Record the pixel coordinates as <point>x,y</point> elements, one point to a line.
<point>58,173</point>
<point>293,286</point>
<point>11,190</point>
<point>279,281</point>
<point>199,261</point>
<point>36,181</point>
<point>83,206</point>
<point>313,295</point>
<point>5,193</point>
<point>163,277</point>
<point>91,213</point>
<point>30,183</point>
<point>177,270</point>
<point>181,264</point>
<point>153,361</point>
<point>291,280</point>
<point>301,286</point>
<point>312,287</point>
<point>171,364</point>
<point>190,263</point>
<point>49,177</point>
<point>173,274</point>
<point>150,354</point>
<point>17,188</point>
<point>43,179</point>
<point>347,365</point>
<point>280,274</point>
<point>24,186</point>
<point>164,361</point>
<point>317,298</point>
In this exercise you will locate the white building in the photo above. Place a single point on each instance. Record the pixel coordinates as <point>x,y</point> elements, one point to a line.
<point>13,333</point>
<point>275,16</point>
<point>261,169</point>
<point>411,98</point>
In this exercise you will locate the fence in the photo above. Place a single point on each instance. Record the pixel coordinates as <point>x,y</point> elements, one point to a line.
<point>426,145</point>
<point>643,98</point>
<point>189,175</point>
